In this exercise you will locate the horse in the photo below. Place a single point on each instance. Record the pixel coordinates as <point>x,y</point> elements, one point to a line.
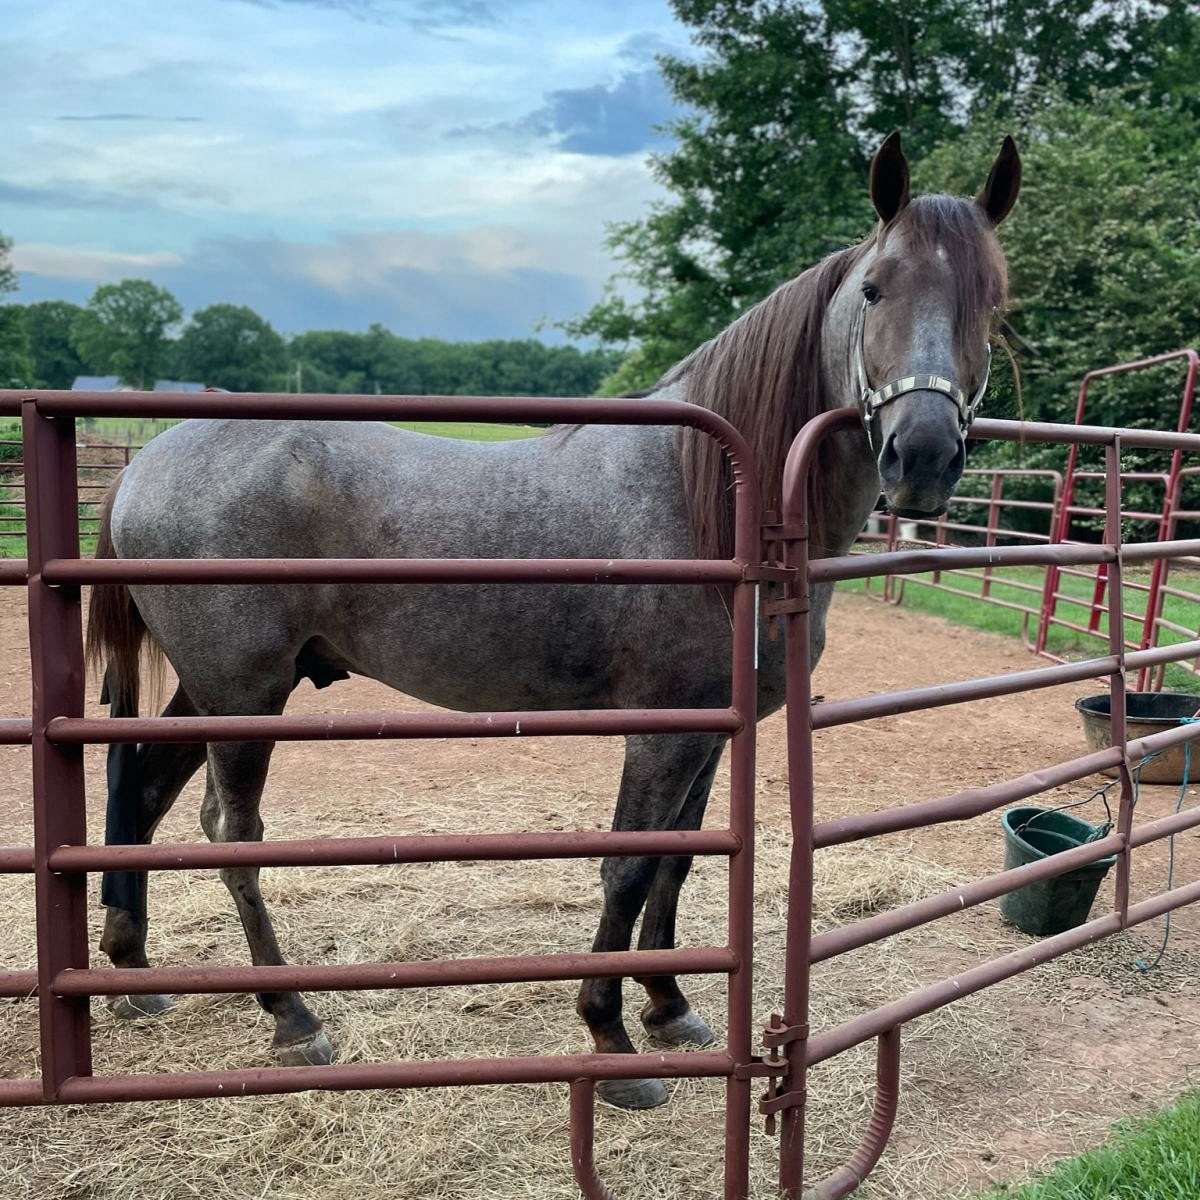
<point>898,324</point>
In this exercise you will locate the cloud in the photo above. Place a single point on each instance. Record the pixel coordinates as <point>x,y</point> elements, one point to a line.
<point>605,119</point>
<point>617,119</point>
<point>427,16</point>
<point>98,266</point>
<point>124,116</point>
<point>72,195</point>
<point>481,283</point>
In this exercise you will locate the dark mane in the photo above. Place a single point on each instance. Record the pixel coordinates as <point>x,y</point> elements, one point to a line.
<point>763,373</point>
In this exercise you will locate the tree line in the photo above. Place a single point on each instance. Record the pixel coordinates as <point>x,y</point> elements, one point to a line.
<point>135,330</point>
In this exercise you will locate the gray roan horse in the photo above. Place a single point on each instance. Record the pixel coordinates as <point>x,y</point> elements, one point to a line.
<point>910,306</point>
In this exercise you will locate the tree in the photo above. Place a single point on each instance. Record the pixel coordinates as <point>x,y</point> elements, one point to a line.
<point>8,274</point>
<point>124,329</point>
<point>378,360</point>
<point>787,103</point>
<point>55,360</point>
<point>16,365</point>
<point>16,370</point>
<point>231,346</point>
<point>1103,247</point>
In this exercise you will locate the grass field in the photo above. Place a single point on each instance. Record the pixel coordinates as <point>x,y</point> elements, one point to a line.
<point>1154,1159</point>
<point>1012,584</point>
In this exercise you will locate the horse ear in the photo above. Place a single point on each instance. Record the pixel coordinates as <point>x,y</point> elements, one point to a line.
<point>889,178</point>
<point>1003,183</point>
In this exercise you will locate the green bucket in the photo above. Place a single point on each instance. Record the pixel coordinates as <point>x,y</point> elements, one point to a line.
<point>1051,905</point>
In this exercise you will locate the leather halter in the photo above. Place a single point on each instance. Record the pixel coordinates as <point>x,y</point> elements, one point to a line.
<point>871,400</point>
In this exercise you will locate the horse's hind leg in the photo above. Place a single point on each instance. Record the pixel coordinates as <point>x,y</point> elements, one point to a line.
<point>668,1017</point>
<point>151,776</point>
<point>237,774</point>
<point>658,775</point>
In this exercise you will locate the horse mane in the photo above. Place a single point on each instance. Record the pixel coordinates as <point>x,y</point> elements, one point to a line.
<point>764,375</point>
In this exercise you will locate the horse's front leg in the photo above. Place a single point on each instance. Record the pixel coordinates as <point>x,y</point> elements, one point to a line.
<point>237,774</point>
<point>668,1017</point>
<point>658,776</point>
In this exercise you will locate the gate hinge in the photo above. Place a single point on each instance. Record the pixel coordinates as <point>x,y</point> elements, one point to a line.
<point>785,607</point>
<point>776,1035</point>
<point>759,1068</point>
<point>768,573</point>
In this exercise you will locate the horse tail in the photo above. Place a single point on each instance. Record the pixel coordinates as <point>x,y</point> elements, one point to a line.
<point>116,633</point>
<point>116,637</point>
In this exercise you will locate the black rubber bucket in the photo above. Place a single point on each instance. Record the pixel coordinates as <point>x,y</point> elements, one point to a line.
<point>1052,905</point>
<point>1145,713</point>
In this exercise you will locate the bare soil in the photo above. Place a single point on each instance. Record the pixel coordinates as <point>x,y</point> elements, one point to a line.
<point>994,1086</point>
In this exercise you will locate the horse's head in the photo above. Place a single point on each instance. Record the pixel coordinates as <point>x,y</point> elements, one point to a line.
<point>920,305</point>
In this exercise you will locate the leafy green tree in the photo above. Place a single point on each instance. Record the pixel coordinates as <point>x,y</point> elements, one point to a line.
<point>330,360</point>
<point>788,101</point>
<point>55,360</point>
<point>8,274</point>
<point>124,329</point>
<point>16,365</point>
<point>230,346</point>
<point>1103,247</point>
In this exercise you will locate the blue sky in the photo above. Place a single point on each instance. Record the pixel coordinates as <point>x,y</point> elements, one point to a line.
<point>445,167</point>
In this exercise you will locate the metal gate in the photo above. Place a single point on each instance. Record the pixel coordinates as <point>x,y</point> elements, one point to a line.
<point>788,1036</point>
<point>60,860</point>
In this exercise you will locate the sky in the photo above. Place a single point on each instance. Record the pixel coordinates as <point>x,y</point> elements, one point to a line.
<point>445,167</point>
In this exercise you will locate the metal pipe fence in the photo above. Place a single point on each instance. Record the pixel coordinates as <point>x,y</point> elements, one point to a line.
<point>91,490</point>
<point>60,858</point>
<point>793,1046</point>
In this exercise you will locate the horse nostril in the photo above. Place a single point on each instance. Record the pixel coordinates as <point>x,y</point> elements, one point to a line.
<point>890,467</point>
<point>923,458</point>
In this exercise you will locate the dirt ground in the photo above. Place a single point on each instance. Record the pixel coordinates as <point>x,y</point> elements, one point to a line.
<point>1033,1070</point>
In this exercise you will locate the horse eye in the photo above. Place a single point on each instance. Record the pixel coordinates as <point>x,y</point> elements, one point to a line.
<point>871,293</point>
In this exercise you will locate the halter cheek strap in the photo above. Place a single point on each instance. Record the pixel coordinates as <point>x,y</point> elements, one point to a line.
<point>871,400</point>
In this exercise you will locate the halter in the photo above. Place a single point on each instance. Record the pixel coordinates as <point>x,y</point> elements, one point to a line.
<point>871,400</point>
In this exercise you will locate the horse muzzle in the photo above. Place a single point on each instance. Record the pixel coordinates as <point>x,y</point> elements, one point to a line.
<point>920,466</point>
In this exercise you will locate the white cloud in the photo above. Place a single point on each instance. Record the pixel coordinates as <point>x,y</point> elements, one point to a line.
<point>98,266</point>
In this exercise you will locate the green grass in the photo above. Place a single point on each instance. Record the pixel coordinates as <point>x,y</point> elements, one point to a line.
<point>1011,585</point>
<point>1153,1159</point>
<point>124,430</point>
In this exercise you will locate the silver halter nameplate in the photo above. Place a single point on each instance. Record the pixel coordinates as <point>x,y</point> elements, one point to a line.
<point>871,400</point>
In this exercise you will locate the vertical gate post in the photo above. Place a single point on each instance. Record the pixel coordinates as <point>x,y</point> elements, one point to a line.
<point>798,952</point>
<point>993,524</point>
<point>744,695</point>
<point>1116,647</point>
<point>57,668</point>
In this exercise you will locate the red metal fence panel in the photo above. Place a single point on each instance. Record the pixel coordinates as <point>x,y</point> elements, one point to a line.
<point>57,731</point>
<point>60,859</point>
<point>792,1045</point>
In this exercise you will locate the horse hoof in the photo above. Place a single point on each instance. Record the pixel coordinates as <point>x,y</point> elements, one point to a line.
<point>317,1051</point>
<point>687,1029</point>
<point>632,1093</point>
<point>134,1008</point>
